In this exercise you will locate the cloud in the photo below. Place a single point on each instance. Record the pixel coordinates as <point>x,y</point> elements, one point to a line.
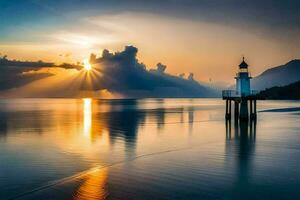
<point>191,76</point>
<point>13,77</point>
<point>81,39</point>
<point>269,14</point>
<point>181,75</point>
<point>15,73</point>
<point>66,55</point>
<point>118,74</point>
<point>123,74</point>
<point>161,68</point>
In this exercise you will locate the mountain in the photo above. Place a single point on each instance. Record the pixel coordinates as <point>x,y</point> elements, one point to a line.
<point>291,91</point>
<point>278,76</point>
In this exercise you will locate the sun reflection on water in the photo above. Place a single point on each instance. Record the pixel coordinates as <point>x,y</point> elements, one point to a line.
<point>87,117</point>
<point>94,186</point>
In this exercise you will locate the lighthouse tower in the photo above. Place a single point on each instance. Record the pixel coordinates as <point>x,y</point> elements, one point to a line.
<point>241,96</point>
<point>243,80</point>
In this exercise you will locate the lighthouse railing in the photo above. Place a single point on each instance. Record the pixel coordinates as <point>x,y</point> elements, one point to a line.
<point>230,93</point>
<point>234,93</point>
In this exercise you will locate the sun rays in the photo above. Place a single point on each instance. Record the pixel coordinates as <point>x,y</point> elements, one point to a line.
<point>64,83</point>
<point>86,64</point>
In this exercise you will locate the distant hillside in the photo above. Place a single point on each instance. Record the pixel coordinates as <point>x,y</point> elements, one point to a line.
<point>291,91</point>
<point>278,76</point>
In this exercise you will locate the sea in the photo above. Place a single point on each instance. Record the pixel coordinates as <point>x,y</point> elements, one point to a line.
<point>144,149</point>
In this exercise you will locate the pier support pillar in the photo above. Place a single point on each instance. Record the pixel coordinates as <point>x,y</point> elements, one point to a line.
<point>228,109</point>
<point>244,115</point>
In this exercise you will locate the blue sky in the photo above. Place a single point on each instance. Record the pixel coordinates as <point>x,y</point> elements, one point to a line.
<point>266,31</point>
<point>276,14</point>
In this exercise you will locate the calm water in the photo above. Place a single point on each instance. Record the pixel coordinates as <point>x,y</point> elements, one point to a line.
<point>147,149</point>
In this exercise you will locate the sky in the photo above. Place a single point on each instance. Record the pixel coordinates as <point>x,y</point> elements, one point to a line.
<point>206,37</point>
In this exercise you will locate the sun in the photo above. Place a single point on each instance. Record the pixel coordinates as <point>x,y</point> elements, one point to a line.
<point>86,64</point>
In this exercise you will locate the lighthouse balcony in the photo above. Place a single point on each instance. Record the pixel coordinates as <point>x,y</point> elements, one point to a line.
<point>234,94</point>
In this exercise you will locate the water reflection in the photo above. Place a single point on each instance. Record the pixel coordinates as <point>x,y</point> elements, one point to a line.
<point>191,118</point>
<point>87,116</point>
<point>94,186</point>
<point>3,124</point>
<point>122,124</point>
<point>241,145</point>
<point>163,148</point>
<point>243,130</point>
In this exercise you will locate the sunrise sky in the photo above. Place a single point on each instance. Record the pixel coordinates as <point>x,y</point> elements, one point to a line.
<point>206,37</point>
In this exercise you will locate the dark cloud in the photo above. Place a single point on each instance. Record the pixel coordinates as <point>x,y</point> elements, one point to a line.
<point>181,75</point>
<point>5,62</point>
<point>11,72</point>
<point>161,68</point>
<point>15,73</point>
<point>122,73</point>
<point>13,77</point>
<point>191,77</point>
<point>118,73</point>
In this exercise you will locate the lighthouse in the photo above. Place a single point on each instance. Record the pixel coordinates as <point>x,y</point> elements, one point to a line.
<point>243,80</point>
<point>243,97</point>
